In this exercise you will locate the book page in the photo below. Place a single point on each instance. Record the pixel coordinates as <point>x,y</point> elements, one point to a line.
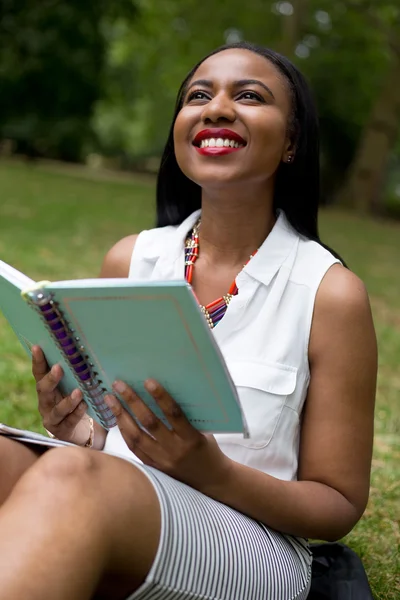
<point>31,437</point>
<point>14,276</point>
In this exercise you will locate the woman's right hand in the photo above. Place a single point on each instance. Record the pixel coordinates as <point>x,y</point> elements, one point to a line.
<point>65,417</point>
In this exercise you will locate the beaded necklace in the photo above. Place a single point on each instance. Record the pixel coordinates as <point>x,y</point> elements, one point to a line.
<point>214,311</point>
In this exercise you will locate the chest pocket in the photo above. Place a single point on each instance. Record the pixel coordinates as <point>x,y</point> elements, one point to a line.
<point>263,388</point>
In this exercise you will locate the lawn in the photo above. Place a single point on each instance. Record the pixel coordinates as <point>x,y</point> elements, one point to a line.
<point>59,225</point>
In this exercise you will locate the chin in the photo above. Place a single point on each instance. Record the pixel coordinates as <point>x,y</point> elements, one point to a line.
<point>216,177</point>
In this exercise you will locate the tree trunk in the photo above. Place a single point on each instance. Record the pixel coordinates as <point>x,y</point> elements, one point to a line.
<point>363,188</point>
<point>292,27</point>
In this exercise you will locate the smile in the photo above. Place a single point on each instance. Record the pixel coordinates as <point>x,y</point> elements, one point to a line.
<point>218,142</point>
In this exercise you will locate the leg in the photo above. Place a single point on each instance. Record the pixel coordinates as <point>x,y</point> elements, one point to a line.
<point>15,459</point>
<point>75,519</point>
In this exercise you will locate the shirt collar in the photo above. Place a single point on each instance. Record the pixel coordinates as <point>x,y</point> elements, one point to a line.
<point>273,252</point>
<point>157,248</point>
<point>263,266</point>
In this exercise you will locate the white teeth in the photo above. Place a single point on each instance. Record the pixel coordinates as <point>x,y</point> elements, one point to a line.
<point>220,143</point>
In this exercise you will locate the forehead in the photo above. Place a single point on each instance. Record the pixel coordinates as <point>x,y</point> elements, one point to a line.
<point>236,64</point>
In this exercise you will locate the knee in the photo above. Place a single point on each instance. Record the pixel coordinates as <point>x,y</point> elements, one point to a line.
<point>15,460</point>
<point>63,467</point>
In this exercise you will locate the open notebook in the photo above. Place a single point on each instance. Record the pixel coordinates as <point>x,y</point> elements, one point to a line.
<point>21,435</point>
<point>100,330</point>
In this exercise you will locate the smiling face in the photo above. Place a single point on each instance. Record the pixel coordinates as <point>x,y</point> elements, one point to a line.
<point>233,124</point>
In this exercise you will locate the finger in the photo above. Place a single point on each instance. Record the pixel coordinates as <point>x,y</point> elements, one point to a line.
<point>142,412</point>
<point>47,388</point>
<point>40,368</point>
<point>66,407</point>
<point>173,412</point>
<point>50,381</point>
<point>137,440</point>
<point>68,425</point>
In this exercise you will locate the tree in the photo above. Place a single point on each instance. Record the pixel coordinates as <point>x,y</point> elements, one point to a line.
<point>365,185</point>
<point>51,65</point>
<point>295,15</point>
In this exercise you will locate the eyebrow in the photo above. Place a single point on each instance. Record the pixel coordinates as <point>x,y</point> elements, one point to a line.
<point>240,83</point>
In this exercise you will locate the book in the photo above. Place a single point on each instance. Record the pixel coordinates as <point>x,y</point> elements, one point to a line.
<point>100,330</point>
<point>31,437</point>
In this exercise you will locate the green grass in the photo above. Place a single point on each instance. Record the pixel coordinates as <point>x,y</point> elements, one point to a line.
<point>55,226</point>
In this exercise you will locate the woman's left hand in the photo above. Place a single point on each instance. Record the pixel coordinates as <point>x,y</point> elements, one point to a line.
<point>182,452</point>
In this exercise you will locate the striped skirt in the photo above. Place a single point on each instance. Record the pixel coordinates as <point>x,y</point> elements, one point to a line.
<point>210,551</point>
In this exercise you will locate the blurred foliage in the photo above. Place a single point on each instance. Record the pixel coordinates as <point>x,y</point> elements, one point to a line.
<point>51,71</point>
<point>100,78</point>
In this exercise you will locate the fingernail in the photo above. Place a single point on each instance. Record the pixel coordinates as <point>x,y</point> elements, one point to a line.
<point>110,401</point>
<point>151,385</point>
<point>76,394</point>
<point>119,386</point>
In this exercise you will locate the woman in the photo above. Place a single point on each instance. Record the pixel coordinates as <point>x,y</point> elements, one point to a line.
<point>214,517</point>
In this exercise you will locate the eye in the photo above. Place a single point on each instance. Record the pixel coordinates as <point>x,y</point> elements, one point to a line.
<point>197,95</point>
<point>249,95</point>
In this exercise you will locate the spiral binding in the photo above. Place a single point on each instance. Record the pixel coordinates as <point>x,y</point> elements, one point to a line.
<point>82,369</point>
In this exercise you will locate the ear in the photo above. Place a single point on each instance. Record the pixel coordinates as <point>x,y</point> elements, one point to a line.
<point>289,151</point>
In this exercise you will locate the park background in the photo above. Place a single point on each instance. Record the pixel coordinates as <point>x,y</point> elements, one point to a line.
<point>87,91</point>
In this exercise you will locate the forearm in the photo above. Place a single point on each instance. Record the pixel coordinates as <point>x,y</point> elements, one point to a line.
<point>302,508</point>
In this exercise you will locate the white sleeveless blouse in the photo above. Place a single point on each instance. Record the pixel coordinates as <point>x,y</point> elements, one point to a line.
<point>263,337</point>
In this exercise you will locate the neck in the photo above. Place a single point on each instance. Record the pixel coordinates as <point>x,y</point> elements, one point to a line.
<point>234,223</point>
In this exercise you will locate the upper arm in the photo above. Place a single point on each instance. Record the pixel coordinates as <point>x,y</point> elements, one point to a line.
<point>338,419</point>
<point>117,261</point>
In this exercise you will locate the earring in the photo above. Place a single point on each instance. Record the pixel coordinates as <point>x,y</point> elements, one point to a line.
<point>289,159</point>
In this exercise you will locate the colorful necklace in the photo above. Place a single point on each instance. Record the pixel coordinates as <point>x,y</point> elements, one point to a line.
<point>214,311</point>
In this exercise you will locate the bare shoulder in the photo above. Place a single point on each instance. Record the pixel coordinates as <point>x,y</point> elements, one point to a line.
<point>342,307</point>
<point>342,289</point>
<point>117,260</point>
<point>343,351</point>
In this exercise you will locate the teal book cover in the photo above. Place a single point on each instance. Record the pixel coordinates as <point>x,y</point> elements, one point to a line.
<point>119,329</point>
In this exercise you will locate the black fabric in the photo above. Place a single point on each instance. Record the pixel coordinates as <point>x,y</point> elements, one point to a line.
<point>337,574</point>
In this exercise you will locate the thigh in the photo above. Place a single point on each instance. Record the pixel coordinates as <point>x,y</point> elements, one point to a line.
<point>15,459</point>
<point>209,550</point>
<point>113,510</point>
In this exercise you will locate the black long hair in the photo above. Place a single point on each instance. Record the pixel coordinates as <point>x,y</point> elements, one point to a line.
<point>297,187</point>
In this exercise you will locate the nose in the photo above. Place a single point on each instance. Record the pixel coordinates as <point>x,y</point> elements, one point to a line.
<point>219,108</point>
